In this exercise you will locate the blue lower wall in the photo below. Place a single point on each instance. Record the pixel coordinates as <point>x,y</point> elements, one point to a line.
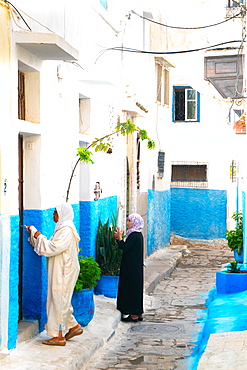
<point>90,214</point>
<point>13,282</point>
<point>198,213</point>
<point>34,287</point>
<point>158,220</point>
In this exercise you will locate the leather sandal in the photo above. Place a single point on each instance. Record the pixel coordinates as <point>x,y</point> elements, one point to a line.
<point>52,342</point>
<point>72,334</point>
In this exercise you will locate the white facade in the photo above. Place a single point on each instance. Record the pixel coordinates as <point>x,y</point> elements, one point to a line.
<point>78,87</point>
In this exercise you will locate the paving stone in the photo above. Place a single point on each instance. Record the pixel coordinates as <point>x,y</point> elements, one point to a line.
<point>173,316</point>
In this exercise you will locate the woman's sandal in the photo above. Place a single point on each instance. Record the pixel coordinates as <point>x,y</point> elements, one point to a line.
<point>51,342</point>
<point>72,334</point>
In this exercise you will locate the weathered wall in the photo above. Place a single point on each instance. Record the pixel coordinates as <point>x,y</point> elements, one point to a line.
<point>198,213</point>
<point>90,214</point>
<point>158,220</point>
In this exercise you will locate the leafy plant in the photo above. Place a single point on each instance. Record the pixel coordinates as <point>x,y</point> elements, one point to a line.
<point>104,144</point>
<point>235,237</point>
<point>233,267</point>
<point>108,255</point>
<point>88,275</point>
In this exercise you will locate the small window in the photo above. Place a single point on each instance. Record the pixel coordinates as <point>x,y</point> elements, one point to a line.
<point>28,94</point>
<point>232,4</point>
<point>104,3</point>
<point>21,95</point>
<point>162,81</point>
<point>84,114</point>
<point>189,175</point>
<point>186,104</point>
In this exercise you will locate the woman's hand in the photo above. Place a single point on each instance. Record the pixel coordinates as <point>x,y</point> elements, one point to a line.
<point>118,234</point>
<point>36,234</point>
<point>28,229</point>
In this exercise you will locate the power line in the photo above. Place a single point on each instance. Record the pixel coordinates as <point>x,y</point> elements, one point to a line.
<point>130,50</point>
<point>185,28</point>
<point>6,1</point>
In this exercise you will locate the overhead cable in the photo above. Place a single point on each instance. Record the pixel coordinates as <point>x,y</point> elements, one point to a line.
<point>185,28</point>
<point>6,1</point>
<point>130,50</point>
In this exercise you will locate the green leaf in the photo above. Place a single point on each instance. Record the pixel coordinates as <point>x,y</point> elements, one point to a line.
<point>84,154</point>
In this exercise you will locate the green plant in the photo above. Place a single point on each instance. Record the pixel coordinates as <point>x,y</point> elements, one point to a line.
<point>103,144</point>
<point>108,255</point>
<point>233,267</point>
<point>235,237</point>
<point>88,275</point>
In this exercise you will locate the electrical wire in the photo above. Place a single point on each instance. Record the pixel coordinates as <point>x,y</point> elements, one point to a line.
<point>185,28</point>
<point>8,2</point>
<point>130,50</point>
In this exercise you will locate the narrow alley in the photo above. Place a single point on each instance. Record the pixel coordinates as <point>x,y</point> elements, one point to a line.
<point>174,316</point>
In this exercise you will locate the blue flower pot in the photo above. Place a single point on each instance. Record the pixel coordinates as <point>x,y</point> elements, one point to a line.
<point>83,304</point>
<point>107,286</point>
<point>231,282</point>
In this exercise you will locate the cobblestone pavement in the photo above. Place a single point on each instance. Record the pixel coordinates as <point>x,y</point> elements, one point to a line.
<point>174,314</point>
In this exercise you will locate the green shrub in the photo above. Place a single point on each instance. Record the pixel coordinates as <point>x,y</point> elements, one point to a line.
<point>88,275</point>
<point>235,237</point>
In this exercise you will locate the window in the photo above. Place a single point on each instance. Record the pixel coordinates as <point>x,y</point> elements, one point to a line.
<point>84,114</point>
<point>104,3</point>
<point>163,77</point>
<point>21,95</point>
<point>28,94</point>
<point>231,3</point>
<point>189,175</point>
<point>186,104</point>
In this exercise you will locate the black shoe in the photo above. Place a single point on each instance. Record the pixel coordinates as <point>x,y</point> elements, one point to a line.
<point>128,319</point>
<point>140,318</point>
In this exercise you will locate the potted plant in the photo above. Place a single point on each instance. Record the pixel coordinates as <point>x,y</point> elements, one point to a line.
<point>231,280</point>
<point>235,237</point>
<point>108,256</point>
<point>83,296</point>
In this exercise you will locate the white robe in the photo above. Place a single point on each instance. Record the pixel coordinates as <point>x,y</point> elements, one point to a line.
<point>63,270</point>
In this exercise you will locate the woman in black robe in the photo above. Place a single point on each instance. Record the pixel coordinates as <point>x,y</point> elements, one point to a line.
<point>130,287</point>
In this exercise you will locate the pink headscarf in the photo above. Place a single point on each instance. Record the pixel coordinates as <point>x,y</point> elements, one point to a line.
<point>137,224</point>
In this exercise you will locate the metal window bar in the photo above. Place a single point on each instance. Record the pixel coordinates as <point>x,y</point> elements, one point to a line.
<point>189,173</point>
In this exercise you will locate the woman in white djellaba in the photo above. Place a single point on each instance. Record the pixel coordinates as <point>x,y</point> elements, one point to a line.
<point>63,269</point>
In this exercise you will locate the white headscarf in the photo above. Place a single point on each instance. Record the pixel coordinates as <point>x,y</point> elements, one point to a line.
<point>65,216</point>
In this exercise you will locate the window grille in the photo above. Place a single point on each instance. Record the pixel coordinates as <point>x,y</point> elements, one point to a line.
<point>189,175</point>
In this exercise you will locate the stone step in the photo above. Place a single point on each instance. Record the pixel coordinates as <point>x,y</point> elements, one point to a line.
<point>27,330</point>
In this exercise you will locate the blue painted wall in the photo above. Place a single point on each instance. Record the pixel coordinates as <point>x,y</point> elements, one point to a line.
<point>13,282</point>
<point>158,220</point>
<point>198,213</point>
<point>90,214</point>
